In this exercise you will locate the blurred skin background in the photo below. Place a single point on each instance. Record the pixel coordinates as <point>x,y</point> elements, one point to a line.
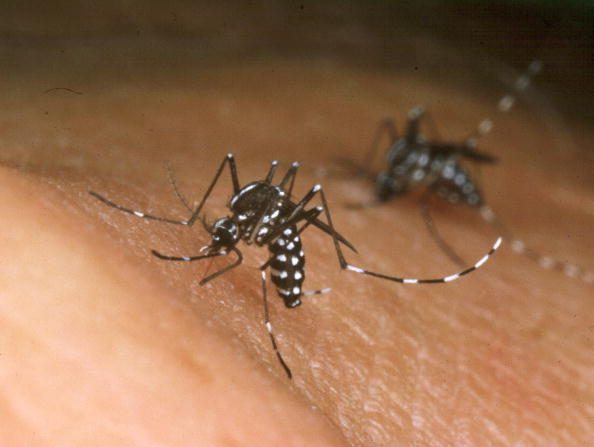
<point>102,344</point>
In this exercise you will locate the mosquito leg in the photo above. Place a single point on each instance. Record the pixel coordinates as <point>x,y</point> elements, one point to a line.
<point>297,215</point>
<point>544,261</point>
<point>434,232</point>
<point>289,177</point>
<point>228,159</point>
<point>183,258</point>
<point>225,269</point>
<point>136,213</point>
<point>449,278</point>
<point>339,254</point>
<point>200,257</point>
<point>387,125</point>
<point>271,172</point>
<point>268,325</point>
<point>345,265</point>
<point>316,292</point>
<point>506,102</point>
<point>412,126</point>
<point>312,219</point>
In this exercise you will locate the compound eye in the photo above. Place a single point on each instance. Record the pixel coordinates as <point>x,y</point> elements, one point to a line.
<point>223,235</point>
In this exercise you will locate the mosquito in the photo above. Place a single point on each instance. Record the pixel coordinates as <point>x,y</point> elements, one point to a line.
<point>264,214</point>
<point>414,161</point>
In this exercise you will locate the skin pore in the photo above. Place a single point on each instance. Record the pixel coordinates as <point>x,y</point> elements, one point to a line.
<point>101,343</point>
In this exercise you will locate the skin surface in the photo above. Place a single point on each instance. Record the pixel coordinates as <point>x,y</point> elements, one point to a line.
<point>103,344</point>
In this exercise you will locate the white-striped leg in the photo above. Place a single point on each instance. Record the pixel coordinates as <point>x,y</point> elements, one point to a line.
<point>195,215</point>
<point>345,265</point>
<point>136,213</point>
<point>449,278</point>
<point>218,273</point>
<point>212,276</point>
<point>268,326</point>
<point>506,102</point>
<point>316,292</point>
<point>546,262</point>
<point>184,258</point>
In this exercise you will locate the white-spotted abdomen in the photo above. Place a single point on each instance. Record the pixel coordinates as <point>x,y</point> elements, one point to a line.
<point>455,185</point>
<point>287,266</point>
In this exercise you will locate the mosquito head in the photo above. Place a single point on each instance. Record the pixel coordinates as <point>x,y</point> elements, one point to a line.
<point>386,186</point>
<point>225,235</point>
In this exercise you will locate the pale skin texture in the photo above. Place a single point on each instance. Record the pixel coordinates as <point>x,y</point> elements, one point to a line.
<point>103,344</point>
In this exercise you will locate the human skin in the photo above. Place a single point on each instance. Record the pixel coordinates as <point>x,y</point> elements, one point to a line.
<point>103,344</point>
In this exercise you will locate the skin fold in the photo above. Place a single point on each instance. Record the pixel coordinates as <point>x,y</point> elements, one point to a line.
<point>101,343</point>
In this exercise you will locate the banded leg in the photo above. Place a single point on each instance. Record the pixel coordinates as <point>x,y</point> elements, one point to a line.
<point>449,278</point>
<point>136,213</point>
<point>268,324</point>
<point>544,261</point>
<point>228,159</point>
<point>345,265</point>
<point>322,291</point>
<point>200,257</point>
<point>183,258</point>
<point>507,101</point>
